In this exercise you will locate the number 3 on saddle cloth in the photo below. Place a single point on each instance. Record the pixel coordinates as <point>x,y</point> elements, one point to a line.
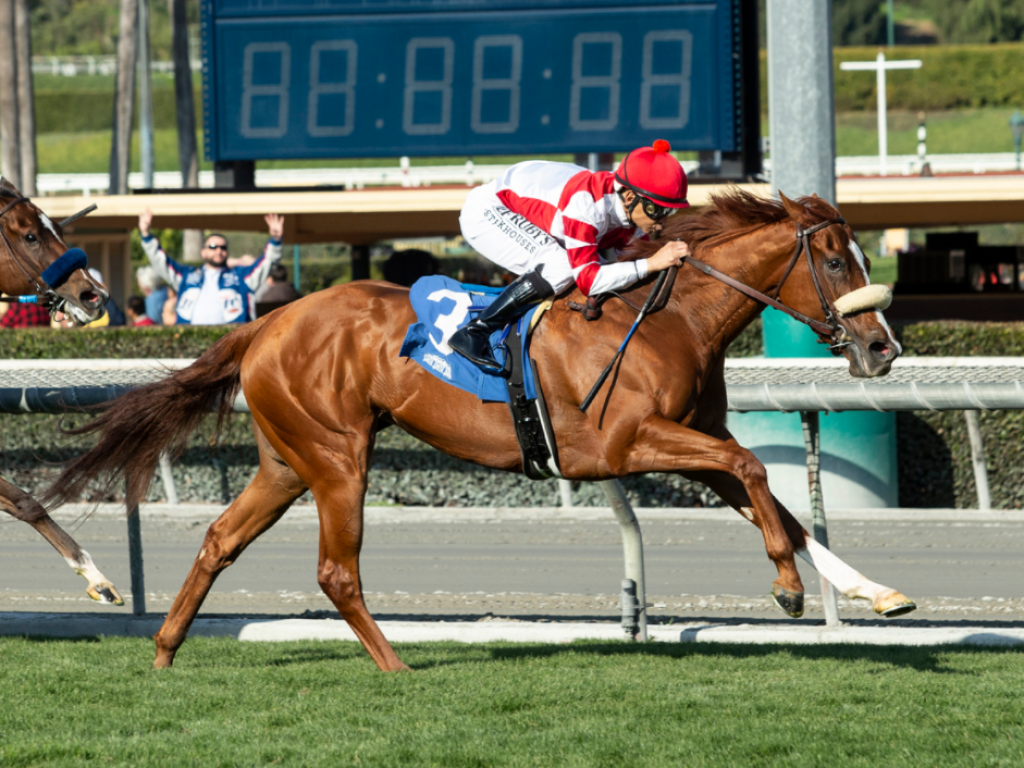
<point>442,306</point>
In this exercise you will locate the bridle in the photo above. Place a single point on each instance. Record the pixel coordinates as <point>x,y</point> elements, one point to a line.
<point>831,330</point>
<point>55,275</point>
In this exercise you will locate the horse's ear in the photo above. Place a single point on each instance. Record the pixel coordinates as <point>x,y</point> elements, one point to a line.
<point>8,186</point>
<point>796,211</point>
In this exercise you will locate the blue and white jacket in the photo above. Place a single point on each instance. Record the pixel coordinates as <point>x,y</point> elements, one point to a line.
<point>236,285</point>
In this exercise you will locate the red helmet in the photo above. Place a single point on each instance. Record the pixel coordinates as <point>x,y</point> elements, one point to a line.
<point>653,173</point>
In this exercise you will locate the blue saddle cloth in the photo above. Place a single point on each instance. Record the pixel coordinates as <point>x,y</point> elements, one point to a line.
<point>442,306</point>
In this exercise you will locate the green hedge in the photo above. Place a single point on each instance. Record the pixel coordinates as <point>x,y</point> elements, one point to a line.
<point>78,111</point>
<point>950,77</point>
<point>933,448</point>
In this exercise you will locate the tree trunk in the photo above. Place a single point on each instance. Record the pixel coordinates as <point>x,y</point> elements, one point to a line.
<point>188,153</point>
<point>146,149</point>
<point>26,98</point>
<point>124,98</point>
<point>10,157</point>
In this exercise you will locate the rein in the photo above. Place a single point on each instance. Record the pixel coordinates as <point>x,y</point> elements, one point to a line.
<point>830,330</point>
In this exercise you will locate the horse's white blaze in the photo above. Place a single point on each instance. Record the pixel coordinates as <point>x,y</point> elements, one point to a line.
<point>858,256</point>
<point>848,581</point>
<point>49,225</point>
<point>84,566</point>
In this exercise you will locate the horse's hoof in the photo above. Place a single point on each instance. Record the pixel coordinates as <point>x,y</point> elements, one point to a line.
<point>893,604</point>
<point>105,594</point>
<point>792,603</point>
<point>163,660</point>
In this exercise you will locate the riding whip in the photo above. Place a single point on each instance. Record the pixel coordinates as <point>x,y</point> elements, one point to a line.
<point>643,313</point>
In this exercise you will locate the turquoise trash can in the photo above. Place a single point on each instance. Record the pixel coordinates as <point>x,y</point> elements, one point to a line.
<point>858,448</point>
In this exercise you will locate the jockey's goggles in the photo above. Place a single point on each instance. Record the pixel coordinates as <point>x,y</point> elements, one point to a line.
<point>652,210</point>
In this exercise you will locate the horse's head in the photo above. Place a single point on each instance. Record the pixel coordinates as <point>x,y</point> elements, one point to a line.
<point>841,272</point>
<point>34,259</point>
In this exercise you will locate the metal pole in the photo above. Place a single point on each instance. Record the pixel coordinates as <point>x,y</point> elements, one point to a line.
<point>978,460</point>
<point>135,563</point>
<point>632,546</point>
<point>890,24</point>
<point>883,122</point>
<point>295,266</point>
<point>812,441</point>
<point>801,97</point>
<point>145,98</point>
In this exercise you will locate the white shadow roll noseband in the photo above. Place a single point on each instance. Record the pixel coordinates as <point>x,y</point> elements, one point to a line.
<point>869,297</point>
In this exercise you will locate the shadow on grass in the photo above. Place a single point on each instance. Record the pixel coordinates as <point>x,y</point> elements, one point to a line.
<point>920,658</point>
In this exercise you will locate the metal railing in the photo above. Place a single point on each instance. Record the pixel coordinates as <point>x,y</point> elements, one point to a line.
<point>808,386</point>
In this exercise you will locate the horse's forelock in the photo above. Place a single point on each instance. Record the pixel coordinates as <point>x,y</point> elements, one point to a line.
<point>729,213</point>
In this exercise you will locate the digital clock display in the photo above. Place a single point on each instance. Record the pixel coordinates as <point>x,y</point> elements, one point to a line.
<point>292,79</point>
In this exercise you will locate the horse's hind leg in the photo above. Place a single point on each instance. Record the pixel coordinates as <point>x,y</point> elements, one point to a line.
<point>16,502</point>
<point>261,504</point>
<point>340,502</point>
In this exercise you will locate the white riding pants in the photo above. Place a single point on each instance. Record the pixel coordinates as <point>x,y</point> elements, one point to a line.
<point>510,240</point>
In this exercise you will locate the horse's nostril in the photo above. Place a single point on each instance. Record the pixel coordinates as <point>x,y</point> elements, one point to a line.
<point>881,349</point>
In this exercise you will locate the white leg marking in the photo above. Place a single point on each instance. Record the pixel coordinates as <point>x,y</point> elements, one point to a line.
<point>87,568</point>
<point>848,581</point>
<point>748,513</point>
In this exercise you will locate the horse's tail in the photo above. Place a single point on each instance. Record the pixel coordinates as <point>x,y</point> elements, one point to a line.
<point>154,418</point>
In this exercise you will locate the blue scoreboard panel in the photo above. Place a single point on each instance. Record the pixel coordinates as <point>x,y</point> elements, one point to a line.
<point>363,78</point>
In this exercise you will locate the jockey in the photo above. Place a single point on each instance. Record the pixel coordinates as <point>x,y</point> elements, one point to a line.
<point>553,218</point>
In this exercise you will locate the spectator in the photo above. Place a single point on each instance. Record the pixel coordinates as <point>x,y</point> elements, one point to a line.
<point>169,313</point>
<point>406,267</point>
<point>245,260</point>
<point>135,308</point>
<point>113,315</point>
<point>277,289</point>
<point>25,316</point>
<point>154,291</point>
<point>214,293</point>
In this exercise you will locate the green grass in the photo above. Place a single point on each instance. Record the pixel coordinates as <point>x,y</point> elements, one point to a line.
<point>960,131</point>
<point>227,703</point>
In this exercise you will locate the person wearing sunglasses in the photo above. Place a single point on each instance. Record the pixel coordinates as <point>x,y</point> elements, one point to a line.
<point>548,222</point>
<point>214,293</point>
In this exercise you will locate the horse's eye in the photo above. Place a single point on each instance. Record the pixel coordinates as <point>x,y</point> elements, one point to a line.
<point>835,265</point>
<point>31,238</point>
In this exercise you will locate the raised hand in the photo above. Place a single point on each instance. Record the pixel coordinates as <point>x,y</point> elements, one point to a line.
<point>275,224</point>
<point>145,220</point>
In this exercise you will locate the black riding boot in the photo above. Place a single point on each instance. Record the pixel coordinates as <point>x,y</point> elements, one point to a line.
<point>473,340</point>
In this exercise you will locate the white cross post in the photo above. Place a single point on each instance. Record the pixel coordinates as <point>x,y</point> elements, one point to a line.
<point>880,65</point>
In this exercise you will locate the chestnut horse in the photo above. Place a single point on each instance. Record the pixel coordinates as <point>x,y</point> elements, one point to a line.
<point>29,244</point>
<point>322,376</point>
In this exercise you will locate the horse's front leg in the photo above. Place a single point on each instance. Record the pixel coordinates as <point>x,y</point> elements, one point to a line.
<point>664,446</point>
<point>884,600</point>
<point>20,505</point>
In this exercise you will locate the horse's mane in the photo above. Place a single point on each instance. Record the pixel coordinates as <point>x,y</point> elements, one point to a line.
<point>728,215</point>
